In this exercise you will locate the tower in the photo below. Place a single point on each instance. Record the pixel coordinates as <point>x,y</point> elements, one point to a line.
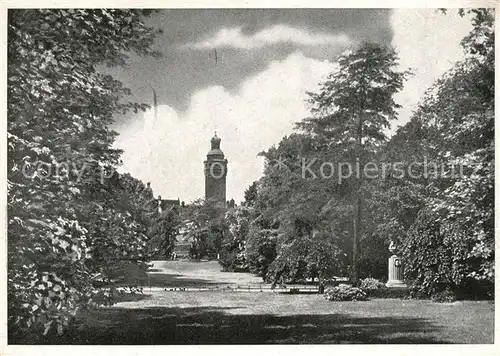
<point>215,173</point>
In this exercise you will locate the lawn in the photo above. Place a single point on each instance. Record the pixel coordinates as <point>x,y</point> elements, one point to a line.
<point>229,317</point>
<point>257,318</point>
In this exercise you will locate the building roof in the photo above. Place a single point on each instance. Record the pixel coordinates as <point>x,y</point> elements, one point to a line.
<point>215,152</point>
<point>170,203</point>
<point>215,147</point>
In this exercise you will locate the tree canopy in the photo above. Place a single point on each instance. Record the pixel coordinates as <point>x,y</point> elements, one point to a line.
<point>70,215</point>
<point>434,200</point>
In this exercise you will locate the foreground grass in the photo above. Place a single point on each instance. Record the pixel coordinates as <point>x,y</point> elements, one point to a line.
<point>250,318</point>
<point>264,317</point>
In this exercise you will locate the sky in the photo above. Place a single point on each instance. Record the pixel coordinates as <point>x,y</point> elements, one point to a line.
<point>245,73</point>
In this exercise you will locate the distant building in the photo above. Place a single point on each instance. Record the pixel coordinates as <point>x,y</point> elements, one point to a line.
<point>167,204</point>
<point>215,173</point>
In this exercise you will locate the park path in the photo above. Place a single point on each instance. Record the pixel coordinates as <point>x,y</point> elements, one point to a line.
<point>200,273</point>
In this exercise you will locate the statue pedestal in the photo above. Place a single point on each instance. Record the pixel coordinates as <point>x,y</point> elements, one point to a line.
<point>395,273</point>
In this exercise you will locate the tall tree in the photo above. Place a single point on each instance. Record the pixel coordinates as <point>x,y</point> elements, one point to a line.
<point>66,215</point>
<point>350,113</point>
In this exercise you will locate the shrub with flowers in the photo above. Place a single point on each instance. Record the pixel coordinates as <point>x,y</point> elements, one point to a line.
<point>345,292</point>
<point>371,283</point>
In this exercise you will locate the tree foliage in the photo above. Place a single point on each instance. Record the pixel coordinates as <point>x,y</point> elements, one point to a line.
<point>435,199</point>
<point>455,229</point>
<point>232,256</point>
<point>350,112</point>
<point>251,194</point>
<point>69,217</point>
<point>316,216</point>
<point>204,223</point>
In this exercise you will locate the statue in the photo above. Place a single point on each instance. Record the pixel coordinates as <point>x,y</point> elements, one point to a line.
<point>392,247</point>
<point>396,270</point>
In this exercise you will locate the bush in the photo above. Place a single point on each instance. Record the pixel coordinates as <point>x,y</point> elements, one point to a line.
<point>446,296</point>
<point>371,283</point>
<point>345,292</point>
<point>233,261</point>
<point>439,259</point>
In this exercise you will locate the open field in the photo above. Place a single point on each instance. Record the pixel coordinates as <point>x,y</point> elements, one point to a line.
<point>256,318</point>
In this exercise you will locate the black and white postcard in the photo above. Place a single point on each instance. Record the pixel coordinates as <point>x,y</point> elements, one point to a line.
<point>246,175</point>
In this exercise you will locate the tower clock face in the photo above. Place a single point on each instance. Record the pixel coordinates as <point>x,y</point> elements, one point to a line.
<point>216,170</point>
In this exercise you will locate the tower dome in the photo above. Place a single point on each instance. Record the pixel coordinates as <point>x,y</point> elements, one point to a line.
<point>215,141</point>
<point>215,147</point>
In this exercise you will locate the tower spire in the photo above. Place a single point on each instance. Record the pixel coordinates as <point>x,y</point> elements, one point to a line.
<point>155,104</point>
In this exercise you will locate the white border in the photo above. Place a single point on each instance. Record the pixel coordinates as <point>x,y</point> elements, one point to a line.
<point>373,350</point>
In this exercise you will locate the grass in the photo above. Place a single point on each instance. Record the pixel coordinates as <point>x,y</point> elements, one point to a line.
<point>217,317</point>
<point>258,318</point>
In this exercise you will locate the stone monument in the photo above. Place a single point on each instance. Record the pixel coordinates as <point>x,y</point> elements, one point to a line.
<point>395,269</point>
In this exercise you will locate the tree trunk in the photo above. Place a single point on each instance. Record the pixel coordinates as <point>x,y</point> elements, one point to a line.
<point>355,242</point>
<point>357,204</point>
<point>321,286</point>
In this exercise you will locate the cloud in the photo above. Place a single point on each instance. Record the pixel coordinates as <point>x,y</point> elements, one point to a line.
<point>235,38</point>
<point>429,43</point>
<point>170,152</point>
